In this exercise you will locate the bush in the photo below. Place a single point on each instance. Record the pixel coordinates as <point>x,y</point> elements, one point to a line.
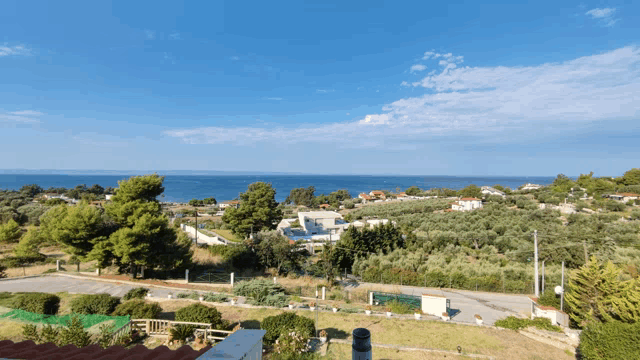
<point>202,314</point>
<point>210,297</point>
<point>136,293</point>
<point>262,292</point>
<point>103,304</point>
<point>74,334</point>
<point>39,303</point>
<point>286,323</point>
<point>549,298</point>
<point>515,323</point>
<point>611,341</point>
<point>292,343</point>
<point>138,309</point>
<point>398,307</point>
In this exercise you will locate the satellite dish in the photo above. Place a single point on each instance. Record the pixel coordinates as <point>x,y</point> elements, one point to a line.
<point>559,290</point>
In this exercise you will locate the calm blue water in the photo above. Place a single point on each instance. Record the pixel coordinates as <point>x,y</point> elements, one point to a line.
<point>181,188</point>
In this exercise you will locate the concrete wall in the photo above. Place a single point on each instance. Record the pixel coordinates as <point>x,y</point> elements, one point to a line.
<point>202,238</point>
<point>434,305</point>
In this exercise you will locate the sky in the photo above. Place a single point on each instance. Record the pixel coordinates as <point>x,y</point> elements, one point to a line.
<point>356,87</point>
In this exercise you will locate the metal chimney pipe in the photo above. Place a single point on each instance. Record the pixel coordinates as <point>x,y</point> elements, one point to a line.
<point>361,348</point>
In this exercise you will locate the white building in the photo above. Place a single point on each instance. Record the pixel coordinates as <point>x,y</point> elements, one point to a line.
<point>108,197</point>
<point>228,204</point>
<point>466,204</point>
<point>365,198</point>
<point>488,190</point>
<point>372,222</point>
<point>624,197</point>
<point>530,186</point>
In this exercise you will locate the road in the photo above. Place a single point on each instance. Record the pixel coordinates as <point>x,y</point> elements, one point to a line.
<point>490,306</point>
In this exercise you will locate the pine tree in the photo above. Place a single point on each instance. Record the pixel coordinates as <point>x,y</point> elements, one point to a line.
<point>627,306</point>
<point>10,232</point>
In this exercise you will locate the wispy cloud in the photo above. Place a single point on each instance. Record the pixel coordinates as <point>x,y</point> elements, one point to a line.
<point>604,15</point>
<point>502,103</point>
<point>150,34</point>
<point>17,50</point>
<point>274,98</point>
<point>21,117</point>
<point>169,58</point>
<point>175,36</point>
<point>235,58</point>
<point>418,67</point>
<point>324,91</point>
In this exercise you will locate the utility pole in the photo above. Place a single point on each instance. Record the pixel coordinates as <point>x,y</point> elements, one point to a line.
<point>196,227</point>
<point>562,293</point>
<point>542,276</point>
<point>535,259</point>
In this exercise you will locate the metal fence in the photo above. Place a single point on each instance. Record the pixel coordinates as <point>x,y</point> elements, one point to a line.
<point>381,298</point>
<point>211,277</point>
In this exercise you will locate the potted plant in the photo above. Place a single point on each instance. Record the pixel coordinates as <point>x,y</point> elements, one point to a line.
<point>388,311</point>
<point>335,308</point>
<point>234,300</point>
<point>367,309</point>
<point>291,305</point>
<point>445,316</point>
<point>323,336</point>
<point>417,313</point>
<point>478,319</point>
<point>170,295</point>
<point>312,306</point>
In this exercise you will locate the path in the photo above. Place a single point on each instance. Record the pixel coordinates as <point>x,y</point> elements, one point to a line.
<point>491,306</point>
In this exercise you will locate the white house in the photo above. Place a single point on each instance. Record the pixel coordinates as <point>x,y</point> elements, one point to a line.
<point>314,225</point>
<point>227,204</point>
<point>488,190</point>
<point>365,198</point>
<point>108,197</point>
<point>530,186</point>
<point>377,194</point>
<point>466,204</point>
<point>372,222</point>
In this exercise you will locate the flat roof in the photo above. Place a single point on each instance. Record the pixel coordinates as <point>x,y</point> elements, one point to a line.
<point>320,214</point>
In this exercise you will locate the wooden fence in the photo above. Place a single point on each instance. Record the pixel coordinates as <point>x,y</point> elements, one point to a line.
<point>158,327</point>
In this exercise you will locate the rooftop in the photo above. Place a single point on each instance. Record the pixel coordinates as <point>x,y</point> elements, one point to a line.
<point>469,199</point>
<point>320,214</point>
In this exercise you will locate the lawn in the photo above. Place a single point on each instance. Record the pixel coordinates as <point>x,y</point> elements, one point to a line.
<point>227,234</point>
<point>502,344</point>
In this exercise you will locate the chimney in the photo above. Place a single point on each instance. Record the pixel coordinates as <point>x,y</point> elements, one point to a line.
<point>361,348</point>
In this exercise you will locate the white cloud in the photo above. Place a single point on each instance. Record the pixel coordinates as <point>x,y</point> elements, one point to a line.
<point>234,58</point>
<point>499,103</point>
<point>21,117</point>
<point>274,98</point>
<point>605,15</point>
<point>150,34</point>
<point>175,36</point>
<point>324,91</point>
<point>404,83</point>
<point>17,50</point>
<point>418,67</point>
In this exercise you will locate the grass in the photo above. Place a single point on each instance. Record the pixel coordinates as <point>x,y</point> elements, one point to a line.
<point>343,351</point>
<point>227,234</point>
<point>427,334</point>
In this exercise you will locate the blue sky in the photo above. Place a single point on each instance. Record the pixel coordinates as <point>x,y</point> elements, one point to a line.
<point>425,88</point>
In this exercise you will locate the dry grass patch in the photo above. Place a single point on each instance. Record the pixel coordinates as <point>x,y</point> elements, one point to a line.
<point>343,351</point>
<point>10,330</point>
<point>203,256</point>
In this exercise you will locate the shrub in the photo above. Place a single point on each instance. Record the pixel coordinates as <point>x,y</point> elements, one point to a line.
<point>211,297</point>
<point>138,309</point>
<point>549,298</point>
<point>136,293</point>
<point>515,323</point>
<point>612,341</point>
<point>286,323</point>
<point>74,334</point>
<point>181,332</point>
<point>103,304</point>
<point>292,343</point>
<point>39,303</point>
<point>30,332</point>
<point>201,314</point>
<point>262,291</point>
<point>399,307</point>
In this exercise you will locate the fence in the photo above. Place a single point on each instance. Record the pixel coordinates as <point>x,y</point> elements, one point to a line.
<point>158,327</point>
<point>212,277</point>
<point>381,298</point>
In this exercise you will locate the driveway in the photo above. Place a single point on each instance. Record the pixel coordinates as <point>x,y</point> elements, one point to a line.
<point>491,306</point>
<point>54,284</point>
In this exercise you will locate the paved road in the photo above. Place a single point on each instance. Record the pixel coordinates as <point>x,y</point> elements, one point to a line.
<point>488,305</point>
<point>53,284</point>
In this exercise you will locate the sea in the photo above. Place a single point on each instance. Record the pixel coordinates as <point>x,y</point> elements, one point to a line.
<point>182,188</point>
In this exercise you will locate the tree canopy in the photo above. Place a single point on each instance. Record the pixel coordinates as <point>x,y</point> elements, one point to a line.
<point>301,196</point>
<point>10,232</point>
<point>356,242</point>
<point>258,209</point>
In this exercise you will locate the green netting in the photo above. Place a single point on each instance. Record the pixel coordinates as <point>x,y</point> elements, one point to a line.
<point>87,320</point>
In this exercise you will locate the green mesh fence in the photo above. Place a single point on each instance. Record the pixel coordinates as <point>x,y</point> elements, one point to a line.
<point>87,320</point>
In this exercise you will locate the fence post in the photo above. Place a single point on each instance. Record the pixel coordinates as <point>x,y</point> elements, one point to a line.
<point>425,280</point>
<point>98,271</point>
<point>186,275</point>
<point>371,298</point>
<point>324,292</point>
<point>274,280</point>
<point>450,283</point>
<point>57,265</point>
<point>401,279</point>
<point>232,278</point>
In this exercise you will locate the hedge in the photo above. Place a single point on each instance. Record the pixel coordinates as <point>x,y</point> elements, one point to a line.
<point>138,309</point>
<point>611,341</point>
<point>103,304</point>
<point>202,314</point>
<point>284,323</point>
<point>39,303</point>
<point>136,293</point>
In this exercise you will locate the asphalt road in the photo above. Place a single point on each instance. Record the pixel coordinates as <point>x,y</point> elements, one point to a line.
<point>490,306</point>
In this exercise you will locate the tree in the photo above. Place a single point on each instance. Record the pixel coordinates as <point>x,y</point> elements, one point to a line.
<point>29,245</point>
<point>562,184</point>
<point>301,196</point>
<point>31,190</point>
<point>258,210</point>
<point>360,243</point>
<point>470,191</point>
<point>10,232</point>
<point>593,289</point>
<point>627,306</point>
<point>96,189</point>
<point>631,177</point>
<point>413,191</point>
<point>275,251</point>
<point>75,227</point>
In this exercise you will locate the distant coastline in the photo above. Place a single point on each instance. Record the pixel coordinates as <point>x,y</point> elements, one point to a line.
<point>182,188</point>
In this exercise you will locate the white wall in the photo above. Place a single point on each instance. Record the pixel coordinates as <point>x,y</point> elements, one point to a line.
<point>202,238</point>
<point>434,305</point>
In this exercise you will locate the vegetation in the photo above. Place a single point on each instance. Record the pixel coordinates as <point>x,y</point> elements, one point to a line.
<point>136,293</point>
<point>362,242</point>
<point>301,196</point>
<point>39,303</point>
<point>258,210</point>
<point>10,232</point>
<point>103,304</point>
<point>72,334</point>
<point>515,323</point>
<point>611,341</point>
<point>202,314</point>
<point>262,292</point>
<point>138,309</point>
<point>205,201</point>
<point>286,323</point>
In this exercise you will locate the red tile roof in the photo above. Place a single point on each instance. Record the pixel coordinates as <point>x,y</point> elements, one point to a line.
<point>49,351</point>
<point>377,192</point>
<point>365,196</point>
<point>324,205</point>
